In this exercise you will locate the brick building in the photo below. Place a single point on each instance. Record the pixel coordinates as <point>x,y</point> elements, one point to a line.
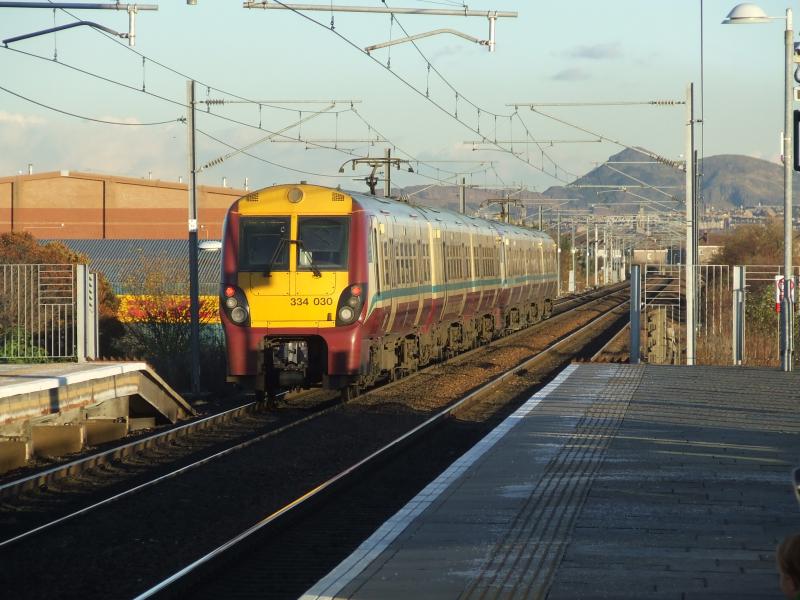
<point>73,205</point>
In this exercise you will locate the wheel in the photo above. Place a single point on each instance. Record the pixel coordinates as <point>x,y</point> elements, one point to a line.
<point>349,392</point>
<point>266,400</point>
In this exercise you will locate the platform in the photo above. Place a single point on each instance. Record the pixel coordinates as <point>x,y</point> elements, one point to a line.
<point>614,481</point>
<point>58,408</point>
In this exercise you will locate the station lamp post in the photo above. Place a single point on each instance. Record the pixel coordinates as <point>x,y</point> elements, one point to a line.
<point>750,13</point>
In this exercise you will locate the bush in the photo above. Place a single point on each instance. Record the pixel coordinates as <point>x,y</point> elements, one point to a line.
<point>18,348</point>
<point>157,326</point>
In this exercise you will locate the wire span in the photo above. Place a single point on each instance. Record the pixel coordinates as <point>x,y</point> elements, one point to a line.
<point>85,118</point>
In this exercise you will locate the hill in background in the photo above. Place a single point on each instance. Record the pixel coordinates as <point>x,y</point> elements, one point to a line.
<point>728,182</point>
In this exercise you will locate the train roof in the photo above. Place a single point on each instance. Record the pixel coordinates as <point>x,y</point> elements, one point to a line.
<point>399,208</point>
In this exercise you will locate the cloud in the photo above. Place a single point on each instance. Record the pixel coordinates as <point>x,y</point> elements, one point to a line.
<point>596,52</point>
<point>573,74</point>
<point>20,120</point>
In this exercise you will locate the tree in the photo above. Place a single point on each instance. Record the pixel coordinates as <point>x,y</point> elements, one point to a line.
<point>158,326</point>
<point>755,245</point>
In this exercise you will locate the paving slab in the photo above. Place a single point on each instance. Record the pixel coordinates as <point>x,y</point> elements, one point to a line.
<point>614,481</point>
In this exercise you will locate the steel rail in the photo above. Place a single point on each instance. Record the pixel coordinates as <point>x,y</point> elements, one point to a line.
<point>170,475</point>
<point>380,453</point>
<point>66,469</point>
<point>597,354</point>
<point>128,448</point>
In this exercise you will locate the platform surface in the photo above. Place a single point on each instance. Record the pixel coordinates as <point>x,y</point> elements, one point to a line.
<point>18,379</point>
<point>614,481</point>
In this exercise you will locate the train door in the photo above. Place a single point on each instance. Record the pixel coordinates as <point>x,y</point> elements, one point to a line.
<point>503,269</point>
<point>417,270</point>
<point>445,262</point>
<point>436,270</point>
<point>373,264</point>
<point>392,276</point>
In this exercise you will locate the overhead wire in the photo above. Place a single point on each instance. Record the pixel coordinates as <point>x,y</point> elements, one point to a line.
<point>345,39</point>
<point>122,44</point>
<point>407,83</point>
<point>461,96</point>
<point>209,87</point>
<point>264,160</point>
<point>84,117</point>
<point>158,96</point>
<point>415,89</point>
<point>181,119</point>
<point>604,138</point>
<point>458,94</point>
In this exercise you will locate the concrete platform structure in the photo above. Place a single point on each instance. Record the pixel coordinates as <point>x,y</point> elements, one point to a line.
<point>614,481</point>
<point>58,408</point>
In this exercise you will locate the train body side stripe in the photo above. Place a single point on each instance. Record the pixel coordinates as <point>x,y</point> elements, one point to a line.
<point>414,292</point>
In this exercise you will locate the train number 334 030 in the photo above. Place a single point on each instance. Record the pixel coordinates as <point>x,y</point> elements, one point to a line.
<point>310,301</point>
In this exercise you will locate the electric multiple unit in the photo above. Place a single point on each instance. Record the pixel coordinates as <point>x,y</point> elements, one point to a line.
<point>322,287</point>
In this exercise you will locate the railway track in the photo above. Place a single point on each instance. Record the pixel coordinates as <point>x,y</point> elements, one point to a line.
<point>357,427</point>
<point>211,575</point>
<point>47,478</point>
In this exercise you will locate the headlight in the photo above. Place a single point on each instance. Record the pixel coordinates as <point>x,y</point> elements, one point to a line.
<point>346,314</point>
<point>351,303</point>
<point>294,195</point>
<point>233,303</point>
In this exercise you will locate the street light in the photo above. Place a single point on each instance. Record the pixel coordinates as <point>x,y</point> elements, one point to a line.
<point>751,13</point>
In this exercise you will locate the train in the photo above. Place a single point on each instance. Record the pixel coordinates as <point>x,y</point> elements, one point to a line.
<point>326,288</point>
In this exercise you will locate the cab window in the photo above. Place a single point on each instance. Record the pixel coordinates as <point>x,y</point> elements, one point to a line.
<point>264,243</point>
<point>323,242</point>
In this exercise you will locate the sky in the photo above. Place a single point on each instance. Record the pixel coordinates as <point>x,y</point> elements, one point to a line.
<point>600,63</point>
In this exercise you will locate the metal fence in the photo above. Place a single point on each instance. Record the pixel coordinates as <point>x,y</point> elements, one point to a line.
<point>47,312</point>
<point>762,321</point>
<point>664,334</point>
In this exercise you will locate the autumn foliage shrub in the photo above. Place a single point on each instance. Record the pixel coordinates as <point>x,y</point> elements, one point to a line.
<point>157,324</point>
<point>760,244</point>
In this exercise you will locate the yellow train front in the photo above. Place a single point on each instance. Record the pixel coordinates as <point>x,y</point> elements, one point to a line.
<point>342,290</point>
<point>289,296</point>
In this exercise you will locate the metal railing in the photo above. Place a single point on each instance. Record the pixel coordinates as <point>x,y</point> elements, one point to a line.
<point>47,312</point>
<point>663,314</point>
<point>664,334</point>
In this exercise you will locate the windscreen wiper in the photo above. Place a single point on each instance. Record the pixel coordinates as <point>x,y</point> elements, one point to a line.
<point>268,267</point>
<point>301,247</point>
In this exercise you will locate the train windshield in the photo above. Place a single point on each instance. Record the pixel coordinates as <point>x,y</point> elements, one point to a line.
<point>264,243</point>
<point>323,242</point>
